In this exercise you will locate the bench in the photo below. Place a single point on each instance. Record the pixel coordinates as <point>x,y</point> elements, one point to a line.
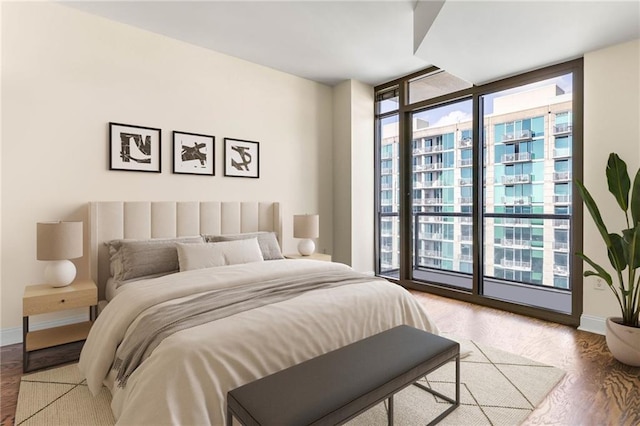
<point>335,387</point>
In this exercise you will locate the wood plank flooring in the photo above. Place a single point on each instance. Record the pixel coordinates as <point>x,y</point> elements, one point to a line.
<point>597,390</point>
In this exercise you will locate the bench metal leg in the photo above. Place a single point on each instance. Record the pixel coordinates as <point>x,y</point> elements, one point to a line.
<point>455,402</point>
<point>229,416</point>
<point>390,412</point>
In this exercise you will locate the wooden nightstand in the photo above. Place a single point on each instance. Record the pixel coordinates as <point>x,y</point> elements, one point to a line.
<point>42,299</point>
<point>314,256</point>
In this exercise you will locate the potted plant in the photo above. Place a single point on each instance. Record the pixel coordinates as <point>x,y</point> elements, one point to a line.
<point>623,250</point>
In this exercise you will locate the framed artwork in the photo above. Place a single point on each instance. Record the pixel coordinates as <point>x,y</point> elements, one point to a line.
<point>193,154</point>
<point>241,158</point>
<point>134,148</point>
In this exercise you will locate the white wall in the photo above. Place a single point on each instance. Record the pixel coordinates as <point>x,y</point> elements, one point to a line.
<point>66,74</point>
<point>611,124</point>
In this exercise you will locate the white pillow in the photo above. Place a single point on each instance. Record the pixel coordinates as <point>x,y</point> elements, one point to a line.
<point>198,256</point>
<point>241,251</point>
<point>209,255</point>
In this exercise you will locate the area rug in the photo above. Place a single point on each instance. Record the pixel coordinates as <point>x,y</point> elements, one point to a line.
<point>496,388</point>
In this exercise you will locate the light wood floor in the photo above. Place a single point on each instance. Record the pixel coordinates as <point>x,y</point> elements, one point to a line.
<point>597,390</point>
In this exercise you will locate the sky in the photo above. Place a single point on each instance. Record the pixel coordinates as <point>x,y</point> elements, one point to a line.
<point>462,111</point>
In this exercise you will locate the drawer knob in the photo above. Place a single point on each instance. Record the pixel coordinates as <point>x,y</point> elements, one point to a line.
<point>62,301</point>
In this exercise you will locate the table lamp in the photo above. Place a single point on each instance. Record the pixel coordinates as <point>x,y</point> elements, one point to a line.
<point>57,243</point>
<point>306,226</point>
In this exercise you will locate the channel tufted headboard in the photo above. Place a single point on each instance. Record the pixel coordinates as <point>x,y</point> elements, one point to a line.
<point>109,220</point>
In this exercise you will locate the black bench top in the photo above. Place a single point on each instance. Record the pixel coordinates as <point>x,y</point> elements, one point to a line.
<point>336,386</point>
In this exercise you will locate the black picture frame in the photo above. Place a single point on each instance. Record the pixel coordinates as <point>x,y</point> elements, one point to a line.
<point>194,153</point>
<point>241,158</point>
<point>135,148</point>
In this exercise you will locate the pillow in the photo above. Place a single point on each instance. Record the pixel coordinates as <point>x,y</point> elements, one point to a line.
<point>198,256</point>
<point>219,254</point>
<point>267,241</point>
<point>139,258</point>
<point>241,251</point>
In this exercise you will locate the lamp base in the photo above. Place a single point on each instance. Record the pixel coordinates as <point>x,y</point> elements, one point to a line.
<point>306,247</point>
<point>60,273</point>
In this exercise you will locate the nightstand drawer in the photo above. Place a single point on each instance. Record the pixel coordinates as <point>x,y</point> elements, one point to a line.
<point>44,299</point>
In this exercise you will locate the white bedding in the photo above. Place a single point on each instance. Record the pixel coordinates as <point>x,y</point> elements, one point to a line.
<point>187,377</point>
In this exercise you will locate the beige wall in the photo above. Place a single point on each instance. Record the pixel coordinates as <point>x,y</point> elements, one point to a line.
<point>611,124</point>
<point>353,174</point>
<point>66,74</point>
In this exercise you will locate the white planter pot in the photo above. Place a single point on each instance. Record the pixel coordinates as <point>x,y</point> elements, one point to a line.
<point>623,342</point>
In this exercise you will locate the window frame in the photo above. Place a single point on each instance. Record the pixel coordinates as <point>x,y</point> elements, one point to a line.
<point>478,131</point>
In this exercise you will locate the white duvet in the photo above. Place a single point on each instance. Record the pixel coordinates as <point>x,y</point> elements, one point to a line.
<point>187,377</point>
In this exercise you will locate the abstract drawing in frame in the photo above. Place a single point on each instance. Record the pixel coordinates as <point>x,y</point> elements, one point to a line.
<point>193,153</point>
<point>241,158</point>
<point>134,148</point>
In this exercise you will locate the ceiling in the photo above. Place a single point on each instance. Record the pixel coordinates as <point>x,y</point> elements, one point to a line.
<point>377,41</point>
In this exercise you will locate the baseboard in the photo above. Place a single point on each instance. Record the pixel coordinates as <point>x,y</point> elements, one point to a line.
<point>593,324</point>
<point>11,336</point>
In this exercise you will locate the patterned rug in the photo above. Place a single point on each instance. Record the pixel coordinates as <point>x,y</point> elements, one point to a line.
<point>496,388</point>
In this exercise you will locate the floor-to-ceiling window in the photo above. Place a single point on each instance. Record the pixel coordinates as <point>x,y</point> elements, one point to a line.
<point>474,188</point>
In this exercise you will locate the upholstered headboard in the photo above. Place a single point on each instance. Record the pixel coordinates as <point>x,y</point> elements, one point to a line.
<point>109,220</point>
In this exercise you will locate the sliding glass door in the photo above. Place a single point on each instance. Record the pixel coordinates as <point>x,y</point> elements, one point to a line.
<point>527,196</point>
<point>474,189</point>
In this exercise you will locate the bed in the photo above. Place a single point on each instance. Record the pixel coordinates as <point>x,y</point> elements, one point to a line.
<point>159,346</point>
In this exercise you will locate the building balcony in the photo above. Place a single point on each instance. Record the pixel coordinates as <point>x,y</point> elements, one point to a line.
<point>465,143</point>
<point>562,199</point>
<point>428,184</point>
<point>386,202</point>
<point>386,248</point>
<point>513,243</point>
<point>561,246</point>
<point>521,135</point>
<point>561,152</point>
<point>466,219</point>
<point>561,223</point>
<point>465,258</point>
<point>513,201</point>
<point>386,186</point>
<point>466,181</point>
<point>386,155</point>
<point>562,270</point>
<point>465,200</point>
<point>513,179</point>
<point>430,253</point>
<point>430,201</point>
<point>561,176</point>
<point>516,264</point>
<point>428,150</point>
<point>516,158</point>
<point>516,221</point>
<point>465,238</point>
<point>433,219</point>
<point>386,171</point>
<point>562,129</point>
<point>431,263</point>
<point>430,236</point>
<point>433,166</point>
<point>465,162</point>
